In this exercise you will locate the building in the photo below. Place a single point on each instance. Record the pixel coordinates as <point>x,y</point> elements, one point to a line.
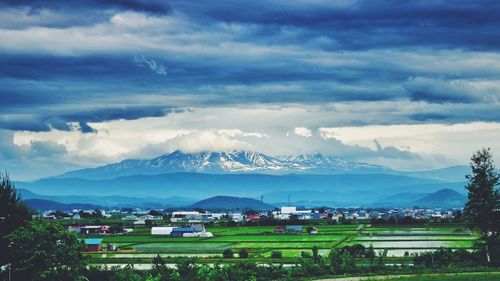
<point>288,210</point>
<point>181,231</point>
<point>279,230</point>
<point>90,229</point>
<point>129,218</point>
<point>253,217</point>
<point>163,230</point>
<point>238,217</point>
<point>93,244</point>
<point>295,229</point>
<point>198,227</point>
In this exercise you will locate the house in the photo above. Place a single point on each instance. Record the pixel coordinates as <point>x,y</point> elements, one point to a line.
<point>93,244</point>
<point>198,227</point>
<point>279,230</point>
<point>315,216</point>
<point>90,229</point>
<point>149,218</point>
<point>181,231</point>
<point>295,229</point>
<point>236,217</point>
<point>194,218</point>
<point>253,217</point>
<point>163,230</point>
<point>288,210</point>
<point>104,229</point>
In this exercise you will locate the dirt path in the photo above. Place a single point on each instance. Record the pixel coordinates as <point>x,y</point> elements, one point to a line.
<point>385,277</point>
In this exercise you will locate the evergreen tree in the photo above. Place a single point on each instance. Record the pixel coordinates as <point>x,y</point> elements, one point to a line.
<point>481,210</point>
<point>13,214</point>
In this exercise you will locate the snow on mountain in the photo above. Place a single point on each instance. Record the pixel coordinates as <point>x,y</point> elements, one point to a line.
<point>224,162</point>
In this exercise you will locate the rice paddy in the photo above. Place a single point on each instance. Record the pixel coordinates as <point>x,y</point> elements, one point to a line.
<point>261,242</point>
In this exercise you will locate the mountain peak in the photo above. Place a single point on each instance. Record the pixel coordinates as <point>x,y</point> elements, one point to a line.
<point>236,161</point>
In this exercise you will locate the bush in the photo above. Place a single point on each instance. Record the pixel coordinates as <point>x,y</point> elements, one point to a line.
<point>243,253</point>
<point>228,253</point>
<point>305,254</point>
<point>276,255</point>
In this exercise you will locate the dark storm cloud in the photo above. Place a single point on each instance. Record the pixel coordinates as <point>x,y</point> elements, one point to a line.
<point>152,6</point>
<point>365,24</point>
<point>206,53</point>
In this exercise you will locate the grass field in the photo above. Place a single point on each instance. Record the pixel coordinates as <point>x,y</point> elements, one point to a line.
<point>393,241</point>
<point>485,276</point>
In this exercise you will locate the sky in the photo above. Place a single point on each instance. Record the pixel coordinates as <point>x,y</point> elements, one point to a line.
<point>412,85</point>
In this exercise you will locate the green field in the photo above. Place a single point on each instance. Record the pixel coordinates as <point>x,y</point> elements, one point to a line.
<point>484,276</point>
<point>393,241</point>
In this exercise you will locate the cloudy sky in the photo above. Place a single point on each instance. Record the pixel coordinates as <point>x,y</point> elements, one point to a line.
<point>408,84</point>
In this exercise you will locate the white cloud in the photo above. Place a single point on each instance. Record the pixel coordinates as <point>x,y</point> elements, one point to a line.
<point>303,132</point>
<point>265,129</point>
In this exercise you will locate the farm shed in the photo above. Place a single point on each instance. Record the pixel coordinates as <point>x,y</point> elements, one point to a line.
<point>93,244</point>
<point>198,227</point>
<point>161,230</point>
<point>180,231</point>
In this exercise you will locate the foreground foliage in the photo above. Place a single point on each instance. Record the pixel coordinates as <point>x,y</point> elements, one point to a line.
<point>13,214</point>
<point>43,250</point>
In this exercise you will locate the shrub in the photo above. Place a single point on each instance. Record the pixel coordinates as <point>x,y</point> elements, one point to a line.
<point>276,255</point>
<point>243,253</point>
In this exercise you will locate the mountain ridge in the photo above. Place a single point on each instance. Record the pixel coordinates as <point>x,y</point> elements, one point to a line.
<point>223,163</point>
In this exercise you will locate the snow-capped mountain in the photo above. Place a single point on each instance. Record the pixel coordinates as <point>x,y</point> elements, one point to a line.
<point>223,163</point>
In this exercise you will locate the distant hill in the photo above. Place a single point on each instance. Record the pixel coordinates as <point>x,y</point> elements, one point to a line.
<point>112,201</point>
<point>405,199</point>
<point>48,205</point>
<point>358,189</point>
<point>231,203</point>
<point>443,197</point>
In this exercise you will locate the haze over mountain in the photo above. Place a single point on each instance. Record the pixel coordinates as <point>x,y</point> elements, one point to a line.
<point>444,198</point>
<point>225,162</point>
<point>179,179</point>
<point>49,205</point>
<point>231,203</point>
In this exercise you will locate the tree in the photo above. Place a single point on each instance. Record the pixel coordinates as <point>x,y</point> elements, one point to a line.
<point>482,210</point>
<point>161,270</point>
<point>227,253</point>
<point>315,254</point>
<point>13,213</point>
<point>370,254</point>
<point>335,260</point>
<point>483,198</point>
<point>44,250</point>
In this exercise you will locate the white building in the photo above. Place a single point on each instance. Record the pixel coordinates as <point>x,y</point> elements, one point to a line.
<point>161,230</point>
<point>288,210</point>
